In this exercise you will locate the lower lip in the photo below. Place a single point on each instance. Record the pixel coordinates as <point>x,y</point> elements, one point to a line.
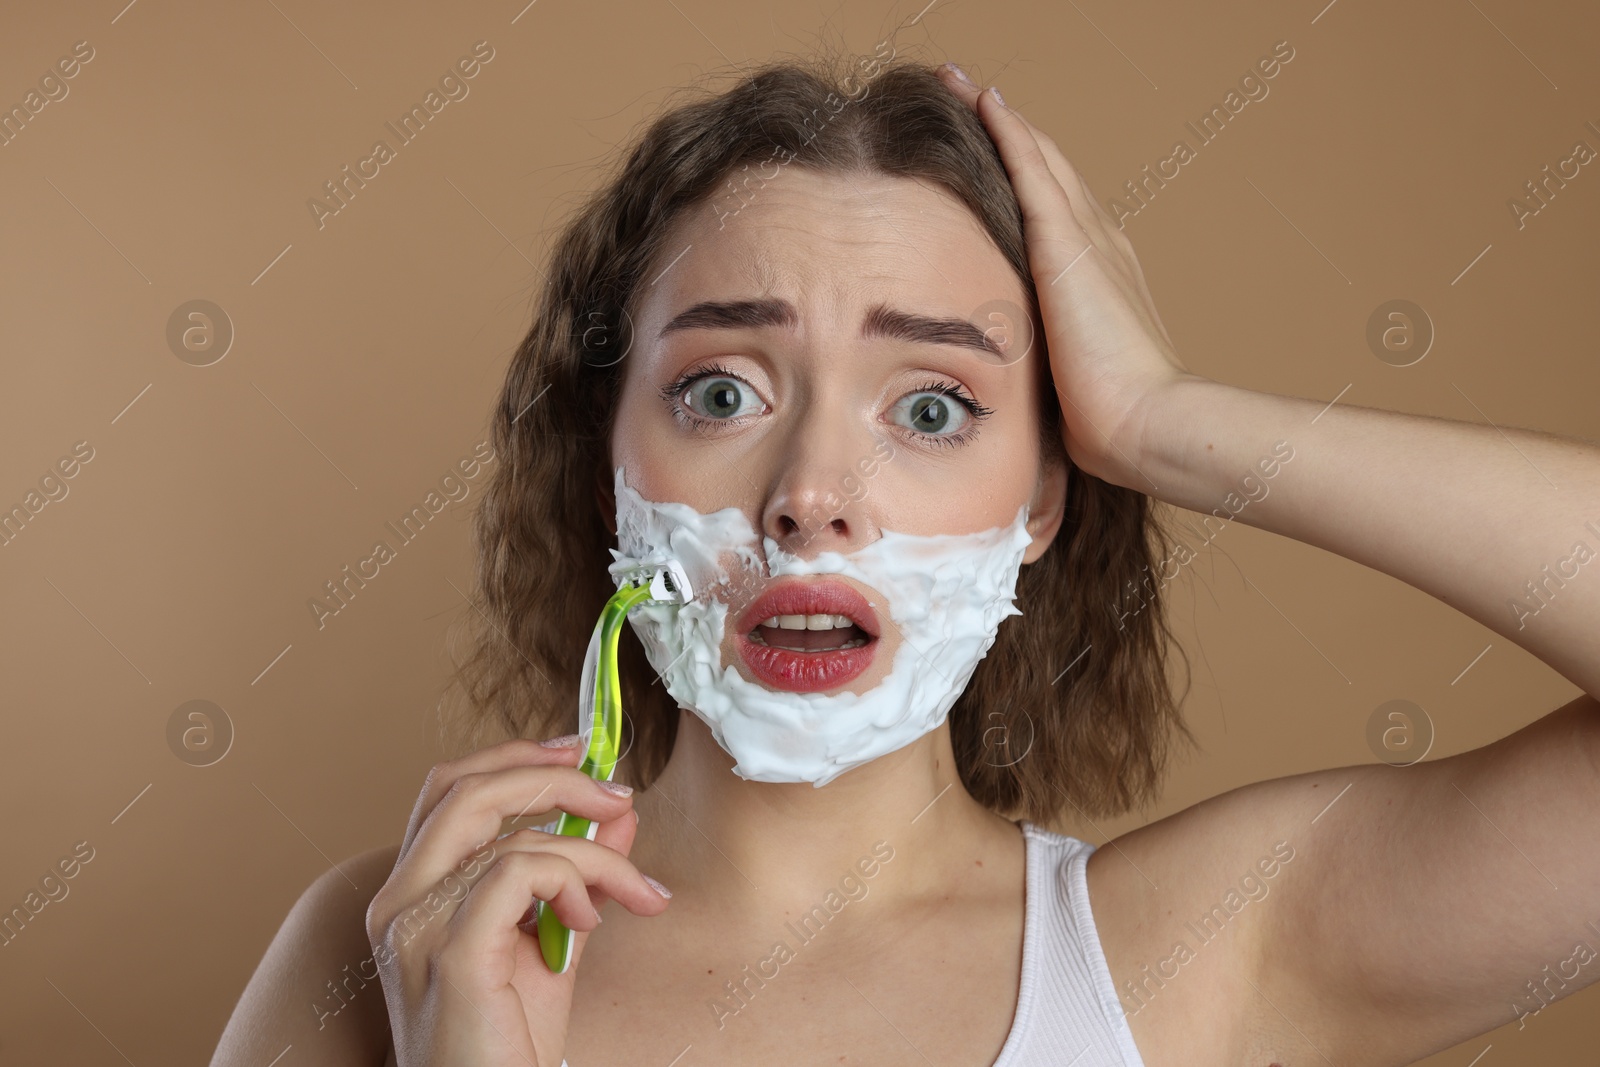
<point>805,672</point>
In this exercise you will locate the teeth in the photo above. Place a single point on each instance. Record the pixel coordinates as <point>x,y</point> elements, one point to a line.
<point>809,622</point>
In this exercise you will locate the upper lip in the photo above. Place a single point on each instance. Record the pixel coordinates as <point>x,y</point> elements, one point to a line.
<point>791,596</point>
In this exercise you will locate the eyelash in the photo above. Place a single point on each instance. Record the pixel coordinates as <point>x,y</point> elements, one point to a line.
<point>978,412</point>
<point>955,392</point>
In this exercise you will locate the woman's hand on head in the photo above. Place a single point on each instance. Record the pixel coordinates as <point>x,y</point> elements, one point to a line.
<point>453,927</point>
<point>1110,355</point>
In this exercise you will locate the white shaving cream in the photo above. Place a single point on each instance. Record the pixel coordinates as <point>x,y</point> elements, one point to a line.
<point>946,598</point>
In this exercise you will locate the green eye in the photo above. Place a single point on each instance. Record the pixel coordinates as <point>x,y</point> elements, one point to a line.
<point>718,398</point>
<point>932,413</point>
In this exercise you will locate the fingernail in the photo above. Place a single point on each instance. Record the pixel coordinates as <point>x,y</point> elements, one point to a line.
<point>995,89</point>
<point>657,886</point>
<point>569,741</point>
<point>958,72</point>
<point>614,787</point>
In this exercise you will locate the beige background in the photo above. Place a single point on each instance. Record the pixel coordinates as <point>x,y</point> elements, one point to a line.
<point>365,359</point>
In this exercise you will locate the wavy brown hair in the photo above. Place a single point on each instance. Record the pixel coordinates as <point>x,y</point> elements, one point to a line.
<point>1073,708</point>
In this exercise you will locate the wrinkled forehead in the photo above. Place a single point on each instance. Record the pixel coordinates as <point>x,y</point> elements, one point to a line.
<point>831,245</point>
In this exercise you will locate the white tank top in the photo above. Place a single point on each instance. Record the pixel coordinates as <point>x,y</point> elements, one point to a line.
<point>1067,1011</point>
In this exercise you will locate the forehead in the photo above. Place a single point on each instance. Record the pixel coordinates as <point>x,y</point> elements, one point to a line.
<point>831,244</point>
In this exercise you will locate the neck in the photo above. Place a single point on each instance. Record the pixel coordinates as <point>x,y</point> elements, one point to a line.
<point>743,846</point>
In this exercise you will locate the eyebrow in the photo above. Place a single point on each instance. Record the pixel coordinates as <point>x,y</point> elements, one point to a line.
<point>880,321</point>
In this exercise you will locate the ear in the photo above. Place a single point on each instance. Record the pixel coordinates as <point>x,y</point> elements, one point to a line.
<point>605,499</point>
<point>1047,510</point>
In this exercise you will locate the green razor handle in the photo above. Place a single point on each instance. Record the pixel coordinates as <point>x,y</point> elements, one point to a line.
<point>600,719</point>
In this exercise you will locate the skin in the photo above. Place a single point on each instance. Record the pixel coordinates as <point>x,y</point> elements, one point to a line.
<point>818,399</point>
<point>741,858</point>
<point>1343,984</point>
<point>1418,902</point>
<point>1408,921</point>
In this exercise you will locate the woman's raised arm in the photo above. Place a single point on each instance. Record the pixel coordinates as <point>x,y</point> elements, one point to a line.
<point>1427,903</point>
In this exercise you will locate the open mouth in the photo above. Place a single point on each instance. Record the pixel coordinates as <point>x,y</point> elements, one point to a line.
<point>807,637</point>
<point>809,633</point>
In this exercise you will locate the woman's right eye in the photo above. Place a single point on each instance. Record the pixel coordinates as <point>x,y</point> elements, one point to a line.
<point>720,397</point>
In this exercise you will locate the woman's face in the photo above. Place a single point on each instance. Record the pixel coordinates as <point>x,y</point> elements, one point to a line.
<point>780,365</point>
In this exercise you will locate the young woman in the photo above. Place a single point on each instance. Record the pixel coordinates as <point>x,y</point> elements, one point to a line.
<point>876,325</point>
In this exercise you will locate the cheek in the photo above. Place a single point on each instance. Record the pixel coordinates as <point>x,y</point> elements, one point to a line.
<point>638,444</point>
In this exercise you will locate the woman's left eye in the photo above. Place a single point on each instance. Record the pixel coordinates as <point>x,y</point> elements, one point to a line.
<point>932,413</point>
<point>942,413</point>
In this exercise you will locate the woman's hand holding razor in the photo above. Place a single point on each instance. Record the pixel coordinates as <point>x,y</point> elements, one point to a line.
<point>453,927</point>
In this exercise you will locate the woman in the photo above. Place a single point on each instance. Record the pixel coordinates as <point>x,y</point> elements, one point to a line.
<point>808,308</point>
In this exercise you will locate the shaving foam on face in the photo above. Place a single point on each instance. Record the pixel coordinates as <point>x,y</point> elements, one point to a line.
<point>946,596</point>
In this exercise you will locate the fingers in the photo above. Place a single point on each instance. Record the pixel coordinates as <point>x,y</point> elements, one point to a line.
<point>472,810</point>
<point>518,752</point>
<point>1035,165</point>
<point>1090,212</point>
<point>564,871</point>
<point>1103,231</point>
<point>483,931</point>
<point>1109,230</point>
<point>465,801</point>
<point>617,835</point>
<point>1048,215</point>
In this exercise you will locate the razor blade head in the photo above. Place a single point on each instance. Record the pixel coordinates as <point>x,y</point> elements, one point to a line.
<point>671,584</point>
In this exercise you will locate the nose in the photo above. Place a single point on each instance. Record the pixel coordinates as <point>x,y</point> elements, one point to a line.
<point>819,497</point>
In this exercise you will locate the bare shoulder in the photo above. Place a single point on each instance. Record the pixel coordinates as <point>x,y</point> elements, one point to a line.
<point>1178,904</point>
<point>1368,912</point>
<point>316,988</point>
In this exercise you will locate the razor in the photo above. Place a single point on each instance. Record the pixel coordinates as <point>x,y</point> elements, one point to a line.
<point>600,716</point>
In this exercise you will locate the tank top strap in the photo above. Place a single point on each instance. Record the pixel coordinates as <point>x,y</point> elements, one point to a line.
<point>1067,1006</point>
